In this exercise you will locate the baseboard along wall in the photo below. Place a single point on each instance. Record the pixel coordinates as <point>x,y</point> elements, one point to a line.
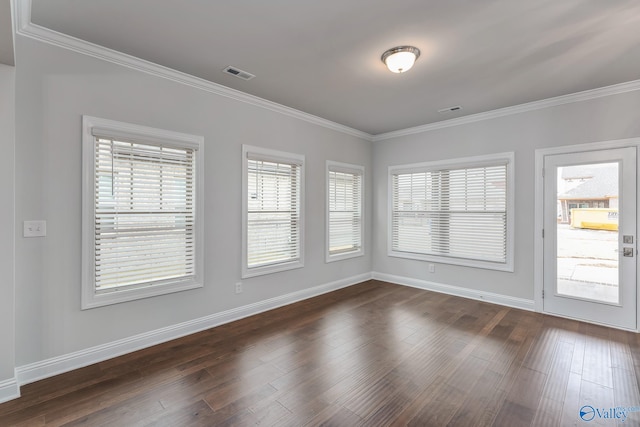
<point>10,389</point>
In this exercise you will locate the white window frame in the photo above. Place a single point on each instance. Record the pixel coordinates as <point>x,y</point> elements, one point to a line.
<point>354,170</point>
<point>274,156</point>
<point>142,134</point>
<point>467,162</point>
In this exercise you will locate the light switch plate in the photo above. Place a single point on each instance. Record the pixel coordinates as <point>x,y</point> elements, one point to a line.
<point>35,229</point>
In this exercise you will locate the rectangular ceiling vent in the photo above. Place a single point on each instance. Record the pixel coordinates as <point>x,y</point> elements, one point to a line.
<point>238,73</point>
<point>450,109</point>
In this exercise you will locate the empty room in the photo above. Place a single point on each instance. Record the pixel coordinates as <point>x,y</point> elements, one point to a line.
<point>339,213</point>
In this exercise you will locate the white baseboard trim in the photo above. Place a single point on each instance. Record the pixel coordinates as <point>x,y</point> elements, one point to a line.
<point>79,359</point>
<point>9,390</point>
<point>57,365</point>
<point>521,303</point>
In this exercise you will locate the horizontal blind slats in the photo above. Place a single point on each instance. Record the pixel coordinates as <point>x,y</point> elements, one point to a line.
<point>456,213</point>
<point>273,211</point>
<point>144,213</point>
<point>345,210</point>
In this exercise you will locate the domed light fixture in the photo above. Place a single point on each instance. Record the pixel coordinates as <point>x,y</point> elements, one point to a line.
<point>401,58</point>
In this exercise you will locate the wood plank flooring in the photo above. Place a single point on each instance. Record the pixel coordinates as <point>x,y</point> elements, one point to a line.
<point>374,354</point>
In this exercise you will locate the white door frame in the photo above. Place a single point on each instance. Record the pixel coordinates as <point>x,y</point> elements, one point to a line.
<point>538,277</point>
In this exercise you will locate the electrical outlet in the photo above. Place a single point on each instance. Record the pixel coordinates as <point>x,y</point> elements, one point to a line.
<point>34,228</point>
<point>432,268</point>
<point>239,288</point>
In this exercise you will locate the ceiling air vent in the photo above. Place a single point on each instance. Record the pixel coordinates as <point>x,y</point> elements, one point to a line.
<point>450,109</point>
<point>238,73</point>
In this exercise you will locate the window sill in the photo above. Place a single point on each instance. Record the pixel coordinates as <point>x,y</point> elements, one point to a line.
<point>115,297</point>
<point>269,269</point>
<point>346,255</point>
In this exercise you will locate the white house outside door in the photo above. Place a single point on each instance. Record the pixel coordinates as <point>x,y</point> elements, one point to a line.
<point>589,236</point>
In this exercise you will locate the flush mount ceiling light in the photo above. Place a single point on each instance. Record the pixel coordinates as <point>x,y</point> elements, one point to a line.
<point>401,58</point>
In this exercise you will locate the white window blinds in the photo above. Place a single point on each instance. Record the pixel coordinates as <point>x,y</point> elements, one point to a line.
<point>345,210</point>
<point>144,214</point>
<point>273,224</point>
<point>455,213</point>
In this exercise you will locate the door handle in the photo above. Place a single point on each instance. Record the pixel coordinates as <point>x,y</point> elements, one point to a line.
<point>627,252</point>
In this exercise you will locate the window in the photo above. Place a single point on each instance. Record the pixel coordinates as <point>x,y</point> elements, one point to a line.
<point>272,211</point>
<point>141,216</point>
<point>454,212</point>
<point>344,211</point>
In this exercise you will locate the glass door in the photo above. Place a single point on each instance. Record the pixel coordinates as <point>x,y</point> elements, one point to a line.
<point>590,236</point>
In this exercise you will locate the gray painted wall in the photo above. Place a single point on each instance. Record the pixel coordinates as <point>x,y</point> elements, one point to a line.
<point>608,118</point>
<point>7,144</point>
<point>56,87</point>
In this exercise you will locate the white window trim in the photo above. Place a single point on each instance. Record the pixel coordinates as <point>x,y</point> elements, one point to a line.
<point>268,154</point>
<point>131,132</point>
<point>354,169</point>
<point>466,162</point>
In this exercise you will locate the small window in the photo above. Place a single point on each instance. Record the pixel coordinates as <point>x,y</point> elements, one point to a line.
<point>141,221</point>
<point>344,211</point>
<point>273,237</point>
<point>454,212</point>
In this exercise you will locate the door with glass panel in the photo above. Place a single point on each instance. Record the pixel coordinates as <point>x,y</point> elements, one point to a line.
<point>590,236</point>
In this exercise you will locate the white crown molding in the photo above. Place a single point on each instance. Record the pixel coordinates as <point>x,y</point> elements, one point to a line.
<point>516,109</point>
<point>26,28</point>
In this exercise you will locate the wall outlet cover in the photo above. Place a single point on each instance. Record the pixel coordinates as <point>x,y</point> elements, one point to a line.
<point>34,228</point>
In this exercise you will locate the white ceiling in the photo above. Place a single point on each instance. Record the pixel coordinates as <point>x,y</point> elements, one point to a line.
<point>323,57</point>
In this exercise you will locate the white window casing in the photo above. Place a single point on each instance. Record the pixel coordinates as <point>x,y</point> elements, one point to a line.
<point>142,212</point>
<point>344,211</point>
<point>454,212</point>
<point>272,211</point>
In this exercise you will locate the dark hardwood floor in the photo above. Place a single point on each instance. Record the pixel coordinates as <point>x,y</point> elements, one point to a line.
<point>373,354</point>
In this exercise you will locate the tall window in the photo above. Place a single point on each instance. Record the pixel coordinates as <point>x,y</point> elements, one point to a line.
<point>272,209</point>
<point>455,212</point>
<point>140,225</point>
<point>344,211</point>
